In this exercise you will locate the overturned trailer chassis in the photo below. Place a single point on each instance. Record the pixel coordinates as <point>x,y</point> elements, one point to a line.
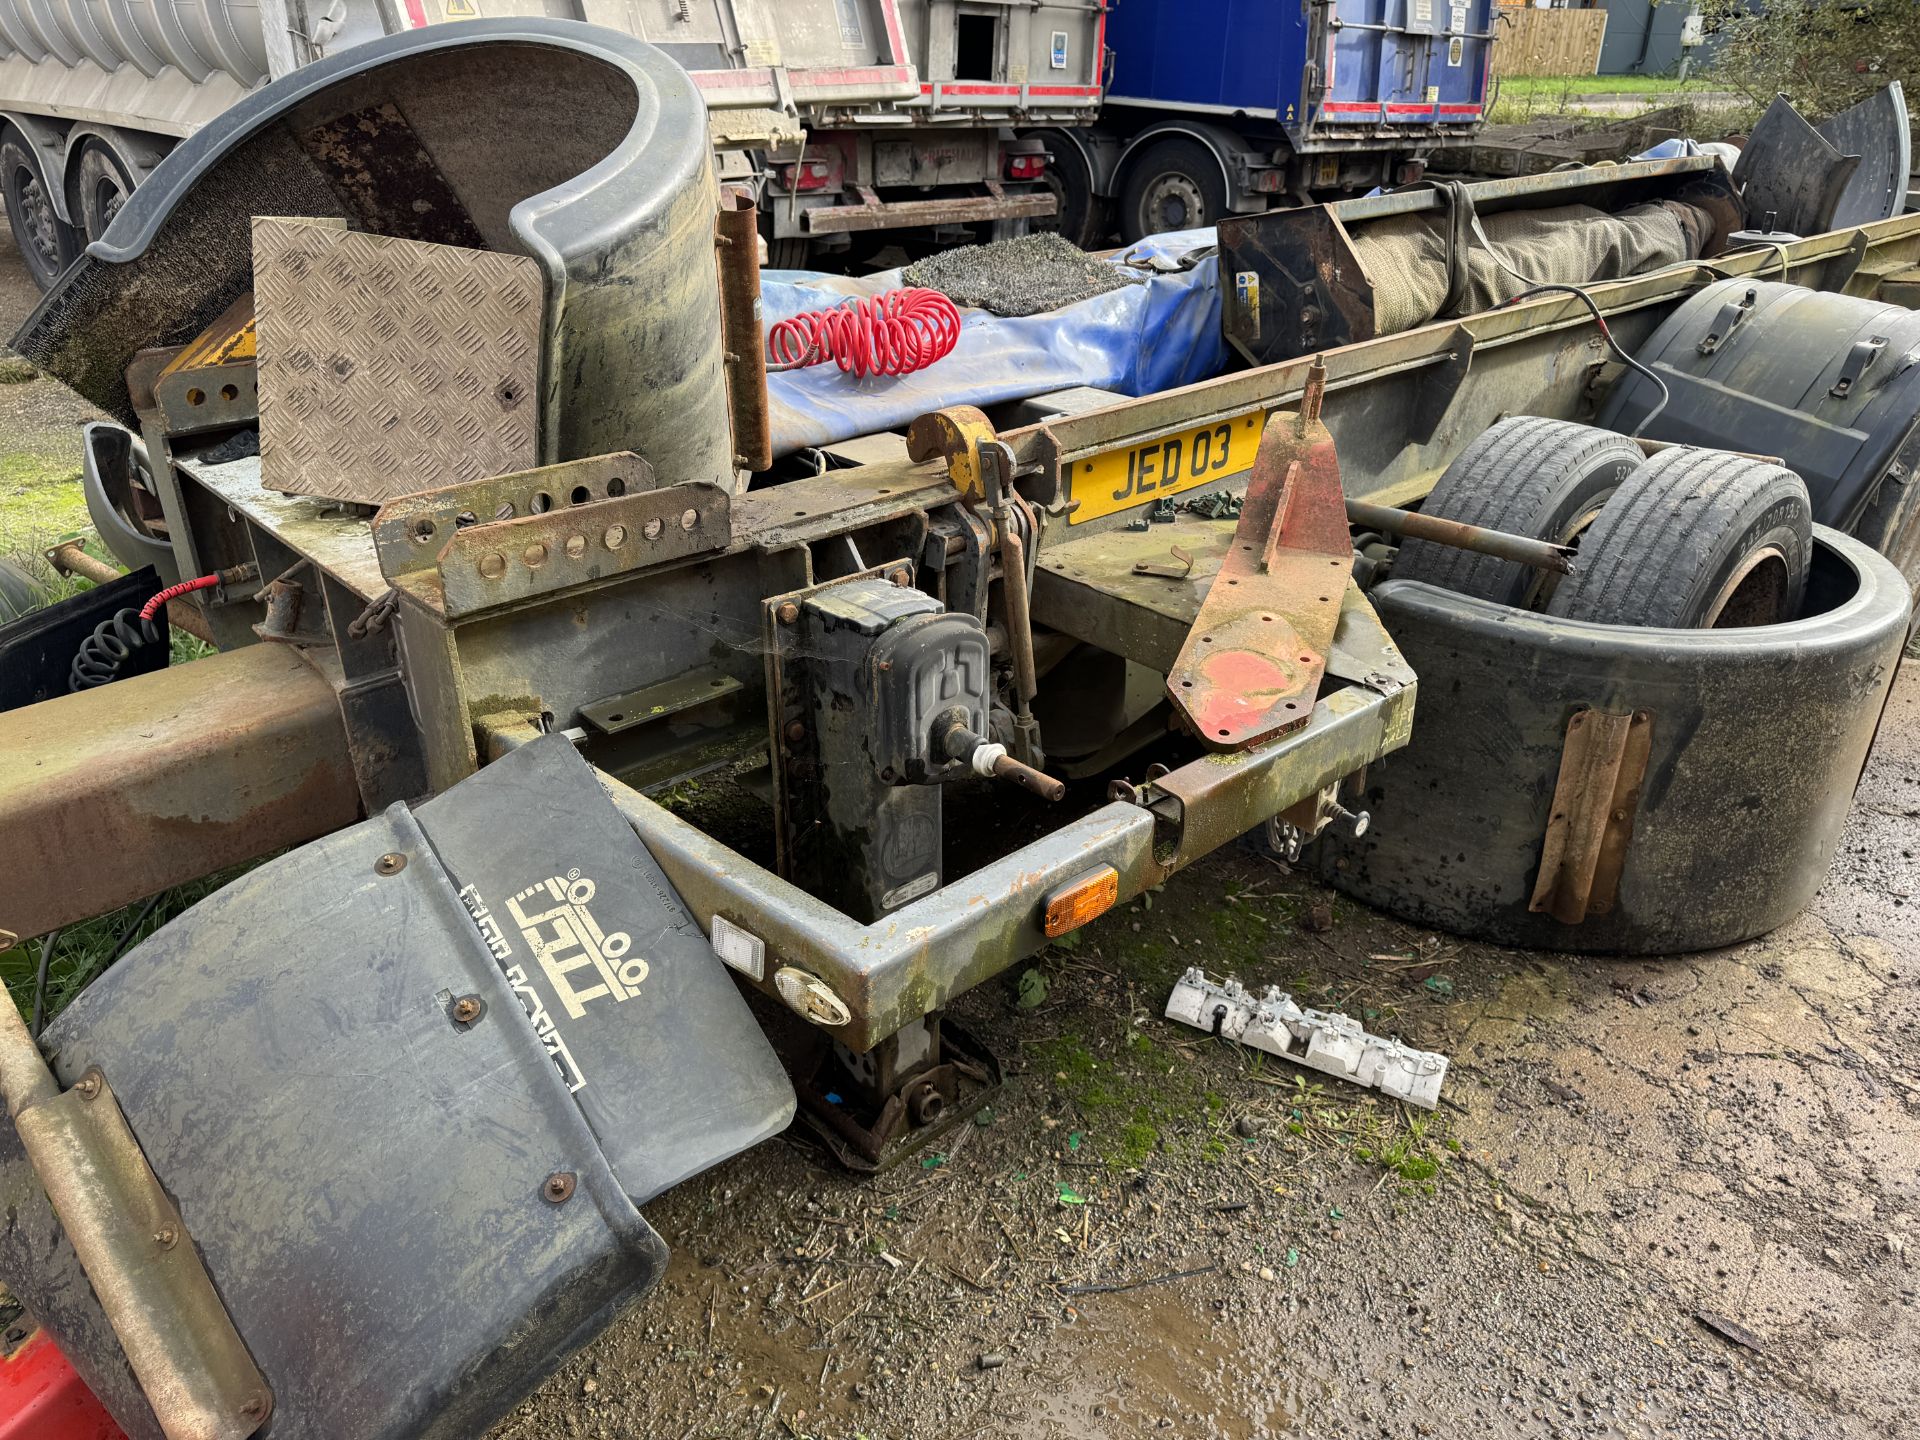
<point>669,660</point>
<point>1012,606</point>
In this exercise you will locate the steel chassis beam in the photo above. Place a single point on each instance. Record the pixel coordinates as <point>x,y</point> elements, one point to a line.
<point>119,792</point>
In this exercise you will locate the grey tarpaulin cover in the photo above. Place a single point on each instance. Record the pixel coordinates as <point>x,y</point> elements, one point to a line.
<point>1406,257</point>
<point>364,1175</point>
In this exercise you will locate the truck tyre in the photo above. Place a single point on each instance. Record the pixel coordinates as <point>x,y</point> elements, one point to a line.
<point>45,241</point>
<point>101,186</point>
<point>788,252</point>
<point>1545,479</point>
<point>20,593</point>
<point>1695,539</point>
<point>1173,184</point>
<point>1082,216</point>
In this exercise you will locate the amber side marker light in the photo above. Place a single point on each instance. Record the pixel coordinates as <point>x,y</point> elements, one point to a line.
<point>1082,899</point>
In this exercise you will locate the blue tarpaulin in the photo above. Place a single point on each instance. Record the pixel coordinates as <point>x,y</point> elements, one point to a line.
<point>1138,339</point>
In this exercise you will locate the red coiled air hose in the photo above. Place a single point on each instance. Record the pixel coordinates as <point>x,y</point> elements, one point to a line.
<point>892,333</point>
<point>185,587</point>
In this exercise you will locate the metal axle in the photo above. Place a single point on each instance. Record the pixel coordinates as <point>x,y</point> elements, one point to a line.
<point>1541,554</point>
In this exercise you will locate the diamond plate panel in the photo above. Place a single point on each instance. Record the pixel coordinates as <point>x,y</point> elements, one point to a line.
<point>388,366</point>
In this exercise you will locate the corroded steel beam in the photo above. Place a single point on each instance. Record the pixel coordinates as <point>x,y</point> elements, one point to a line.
<point>112,794</point>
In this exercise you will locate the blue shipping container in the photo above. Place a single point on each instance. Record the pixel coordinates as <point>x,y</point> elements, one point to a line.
<point>1322,70</point>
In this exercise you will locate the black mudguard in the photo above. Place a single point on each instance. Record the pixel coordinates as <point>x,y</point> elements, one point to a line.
<point>366,1173</point>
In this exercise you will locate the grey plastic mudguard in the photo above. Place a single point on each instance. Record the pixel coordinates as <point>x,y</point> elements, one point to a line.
<point>363,1173</point>
<point>109,456</point>
<point>581,147</point>
<point>1876,131</point>
<point>1758,739</point>
<point>1829,383</point>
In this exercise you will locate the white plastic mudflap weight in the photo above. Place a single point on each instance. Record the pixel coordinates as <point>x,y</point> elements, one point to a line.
<point>1332,1044</point>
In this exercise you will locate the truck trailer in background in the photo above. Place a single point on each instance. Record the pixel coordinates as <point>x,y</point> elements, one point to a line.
<point>852,121</point>
<point>1223,107</point>
<point>850,118</point>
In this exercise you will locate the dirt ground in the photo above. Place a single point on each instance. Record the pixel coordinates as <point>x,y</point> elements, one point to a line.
<point>1152,1233</point>
<point>1629,1154</point>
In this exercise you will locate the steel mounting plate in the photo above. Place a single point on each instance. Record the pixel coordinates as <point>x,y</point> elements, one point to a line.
<point>1252,664</point>
<point>387,365</point>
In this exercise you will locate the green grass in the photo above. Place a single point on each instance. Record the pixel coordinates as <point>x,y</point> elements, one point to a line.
<point>1601,85</point>
<point>1411,1146</point>
<point>40,502</point>
<point>81,951</point>
<point>1130,1104</point>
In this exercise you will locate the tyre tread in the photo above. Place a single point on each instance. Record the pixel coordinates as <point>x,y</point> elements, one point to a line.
<point>1504,480</point>
<point>1645,556</point>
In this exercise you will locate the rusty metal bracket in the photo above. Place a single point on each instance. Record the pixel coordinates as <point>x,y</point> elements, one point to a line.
<point>290,618</point>
<point>1179,570</point>
<point>1252,664</point>
<point>1602,764</point>
<point>736,241</point>
<point>409,531</point>
<point>956,435</point>
<point>485,566</point>
<point>474,547</point>
<point>133,1244</point>
<point>208,383</point>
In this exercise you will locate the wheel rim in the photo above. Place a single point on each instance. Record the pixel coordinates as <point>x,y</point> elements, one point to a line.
<point>1053,223</point>
<point>108,197</point>
<point>1172,202</point>
<point>1755,594</point>
<point>1540,593</point>
<point>37,217</point>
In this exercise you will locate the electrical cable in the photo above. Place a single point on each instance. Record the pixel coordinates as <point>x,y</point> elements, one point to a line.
<point>893,333</point>
<point>102,653</point>
<point>1606,334</point>
<point>173,592</point>
<point>1459,205</point>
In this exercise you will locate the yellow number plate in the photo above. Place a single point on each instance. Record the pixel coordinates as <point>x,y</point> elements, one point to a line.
<point>1121,479</point>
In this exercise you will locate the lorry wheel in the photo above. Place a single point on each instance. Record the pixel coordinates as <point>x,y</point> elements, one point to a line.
<point>1546,479</point>
<point>1695,539</point>
<point>1081,216</point>
<point>20,593</point>
<point>1174,184</point>
<point>103,187</point>
<point>787,253</point>
<point>45,241</point>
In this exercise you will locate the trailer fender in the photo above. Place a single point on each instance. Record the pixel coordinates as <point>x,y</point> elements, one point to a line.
<point>406,1086</point>
<point>1233,153</point>
<point>48,139</point>
<point>1728,761</point>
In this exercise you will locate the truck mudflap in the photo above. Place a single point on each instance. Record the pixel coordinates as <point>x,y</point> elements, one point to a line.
<point>405,1087</point>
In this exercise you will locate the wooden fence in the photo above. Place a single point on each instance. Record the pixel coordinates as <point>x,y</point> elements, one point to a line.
<point>1547,42</point>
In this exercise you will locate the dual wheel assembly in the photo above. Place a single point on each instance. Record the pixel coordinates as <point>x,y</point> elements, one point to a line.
<point>47,242</point>
<point>1655,753</point>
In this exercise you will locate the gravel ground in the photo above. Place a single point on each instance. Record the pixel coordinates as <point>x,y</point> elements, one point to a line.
<point>1625,1147</point>
<point>1023,276</point>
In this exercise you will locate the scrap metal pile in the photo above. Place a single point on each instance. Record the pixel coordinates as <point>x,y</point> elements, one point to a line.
<point>470,445</point>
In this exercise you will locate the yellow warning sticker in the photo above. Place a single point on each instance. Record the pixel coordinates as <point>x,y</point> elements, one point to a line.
<point>461,10</point>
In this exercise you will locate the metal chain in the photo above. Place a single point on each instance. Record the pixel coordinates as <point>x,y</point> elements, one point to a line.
<point>375,616</point>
